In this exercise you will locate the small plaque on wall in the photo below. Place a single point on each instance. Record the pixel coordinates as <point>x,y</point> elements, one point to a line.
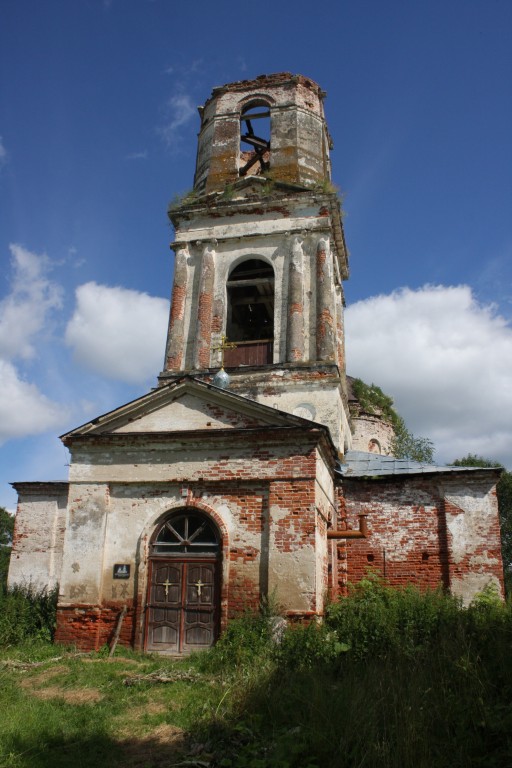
<point>121,571</point>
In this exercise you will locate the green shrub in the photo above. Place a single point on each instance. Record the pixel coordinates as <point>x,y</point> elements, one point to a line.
<point>304,647</point>
<point>394,678</point>
<point>376,619</point>
<point>244,642</point>
<point>26,612</point>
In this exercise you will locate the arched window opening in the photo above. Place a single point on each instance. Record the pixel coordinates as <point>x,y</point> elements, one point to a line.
<point>250,318</point>
<point>254,140</point>
<point>187,533</point>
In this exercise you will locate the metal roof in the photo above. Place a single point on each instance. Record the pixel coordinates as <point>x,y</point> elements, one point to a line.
<point>362,464</point>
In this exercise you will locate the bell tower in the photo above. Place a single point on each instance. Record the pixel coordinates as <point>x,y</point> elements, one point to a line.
<point>260,254</point>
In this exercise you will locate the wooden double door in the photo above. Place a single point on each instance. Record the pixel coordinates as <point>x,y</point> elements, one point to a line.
<point>182,610</point>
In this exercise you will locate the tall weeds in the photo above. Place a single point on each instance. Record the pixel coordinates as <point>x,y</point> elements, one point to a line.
<point>26,613</point>
<point>391,679</point>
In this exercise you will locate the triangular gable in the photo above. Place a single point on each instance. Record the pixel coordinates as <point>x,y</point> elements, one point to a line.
<point>187,411</point>
<point>185,405</point>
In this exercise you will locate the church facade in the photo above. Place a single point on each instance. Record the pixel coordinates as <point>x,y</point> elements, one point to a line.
<point>243,476</point>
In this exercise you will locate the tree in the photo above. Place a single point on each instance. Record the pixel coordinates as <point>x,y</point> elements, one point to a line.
<point>404,444</point>
<point>504,494</point>
<point>6,532</point>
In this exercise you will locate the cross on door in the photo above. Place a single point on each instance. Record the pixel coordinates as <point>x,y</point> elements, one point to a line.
<point>199,584</point>
<point>168,584</point>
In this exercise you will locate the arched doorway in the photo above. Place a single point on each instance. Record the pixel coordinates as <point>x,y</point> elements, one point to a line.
<point>182,609</point>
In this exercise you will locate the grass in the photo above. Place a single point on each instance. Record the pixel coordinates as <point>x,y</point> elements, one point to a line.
<point>77,711</point>
<point>391,679</point>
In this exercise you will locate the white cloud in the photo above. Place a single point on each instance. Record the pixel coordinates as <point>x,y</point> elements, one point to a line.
<point>179,111</point>
<point>24,315</point>
<point>25,310</point>
<point>24,410</point>
<point>118,333</point>
<point>3,153</point>
<point>137,155</point>
<point>447,362</point>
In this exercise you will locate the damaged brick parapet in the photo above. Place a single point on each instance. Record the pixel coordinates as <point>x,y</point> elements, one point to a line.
<point>292,104</point>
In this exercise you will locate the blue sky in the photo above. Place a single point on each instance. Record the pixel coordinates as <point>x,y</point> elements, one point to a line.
<point>98,126</point>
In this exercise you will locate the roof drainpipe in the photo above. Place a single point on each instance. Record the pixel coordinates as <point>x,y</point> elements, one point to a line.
<point>362,533</point>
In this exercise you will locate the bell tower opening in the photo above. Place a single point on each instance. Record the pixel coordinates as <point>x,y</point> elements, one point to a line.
<point>250,313</point>
<point>254,140</point>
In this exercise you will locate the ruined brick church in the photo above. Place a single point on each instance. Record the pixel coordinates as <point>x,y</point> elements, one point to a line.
<point>248,472</point>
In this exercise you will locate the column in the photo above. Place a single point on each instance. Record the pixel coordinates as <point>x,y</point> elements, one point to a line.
<point>325,320</point>
<point>175,335</point>
<point>295,326</point>
<point>202,352</point>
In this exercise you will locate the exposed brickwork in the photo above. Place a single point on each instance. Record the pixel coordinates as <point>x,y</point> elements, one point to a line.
<point>218,314</point>
<point>415,534</point>
<point>271,80</point>
<point>301,114</point>
<point>91,627</point>
<point>175,338</point>
<point>324,305</point>
<point>204,311</point>
<point>340,331</point>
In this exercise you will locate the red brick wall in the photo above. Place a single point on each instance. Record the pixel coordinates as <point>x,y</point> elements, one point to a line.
<point>409,539</point>
<point>91,627</point>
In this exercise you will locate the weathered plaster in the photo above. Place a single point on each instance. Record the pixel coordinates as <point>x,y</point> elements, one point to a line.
<point>36,558</point>
<point>84,543</point>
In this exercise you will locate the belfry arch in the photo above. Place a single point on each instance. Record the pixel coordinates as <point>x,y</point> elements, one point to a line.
<point>250,313</point>
<point>254,138</point>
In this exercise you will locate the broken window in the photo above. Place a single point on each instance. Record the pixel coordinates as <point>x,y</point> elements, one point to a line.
<point>250,318</point>
<point>254,140</point>
<point>186,533</point>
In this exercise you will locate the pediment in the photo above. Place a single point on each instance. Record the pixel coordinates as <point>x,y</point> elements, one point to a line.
<point>187,405</point>
<point>187,411</point>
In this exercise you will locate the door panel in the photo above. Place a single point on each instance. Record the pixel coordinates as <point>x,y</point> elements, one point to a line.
<point>181,611</point>
<point>164,608</point>
<point>200,606</point>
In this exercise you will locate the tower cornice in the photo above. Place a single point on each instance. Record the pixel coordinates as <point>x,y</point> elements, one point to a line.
<point>212,219</point>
